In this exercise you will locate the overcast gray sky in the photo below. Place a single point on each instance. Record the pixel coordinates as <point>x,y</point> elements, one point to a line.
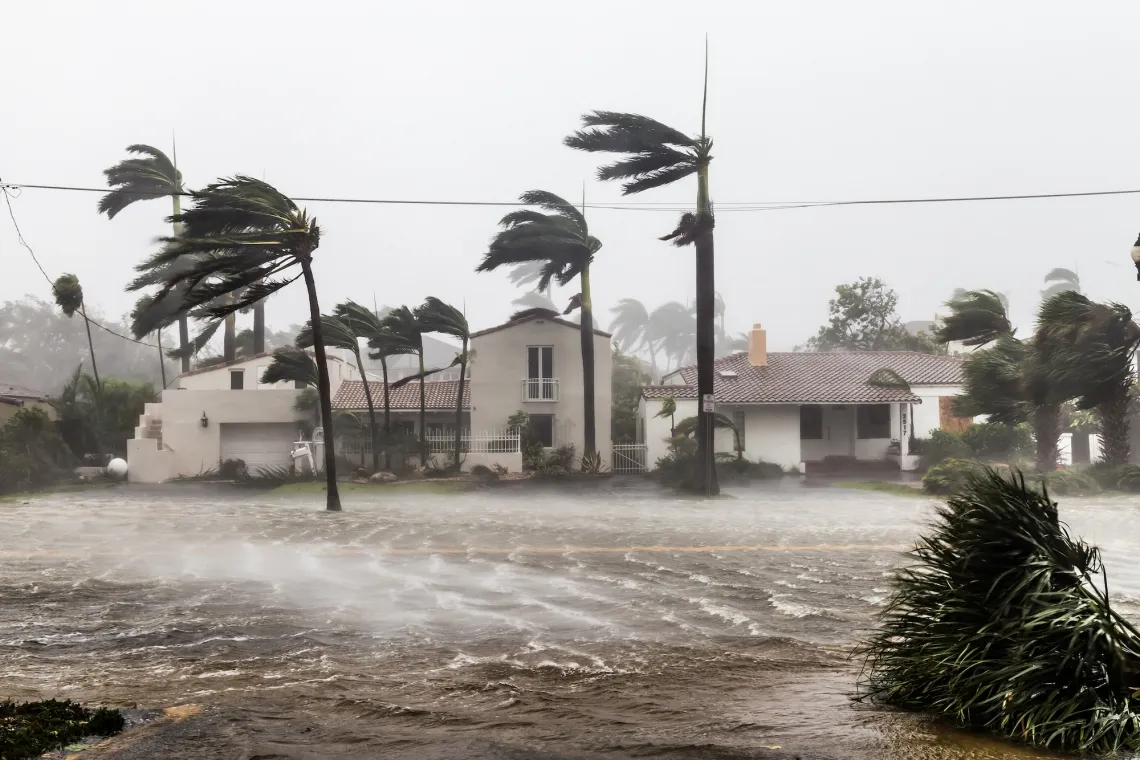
<point>455,100</point>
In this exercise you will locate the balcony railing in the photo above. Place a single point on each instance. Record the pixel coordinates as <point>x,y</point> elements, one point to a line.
<point>540,389</point>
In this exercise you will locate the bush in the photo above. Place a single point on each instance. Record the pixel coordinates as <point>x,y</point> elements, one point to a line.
<point>483,472</point>
<point>1005,625</point>
<point>1070,483</point>
<point>592,464</point>
<point>951,476</point>
<point>499,470</point>
<point>563,457</point>
<point>1125,477</point>
<point>998,442</point>
<point>29,729</point>
<point>533,453</point>
<point>729,465</point>
<point>941,446</point>
<point>233,469</point>
<point>32,453</point>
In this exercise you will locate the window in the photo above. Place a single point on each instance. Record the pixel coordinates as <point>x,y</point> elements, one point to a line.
<point>874,420</point>
<point>738,420</point>
<point>811,422</point>
<point>237,379</point>
<point>540,373</point>
<point>542,425</point>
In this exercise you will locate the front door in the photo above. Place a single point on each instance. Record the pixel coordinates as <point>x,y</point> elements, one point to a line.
<point>839,430</point>
<point>540,373</point>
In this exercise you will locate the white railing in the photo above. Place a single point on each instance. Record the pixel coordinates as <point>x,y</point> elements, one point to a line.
<point>502,442</point>
<point>540,389</point>
<point>629,458</point>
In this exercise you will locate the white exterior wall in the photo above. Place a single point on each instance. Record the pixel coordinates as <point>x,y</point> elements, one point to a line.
<point>189,448</point>
<point>771,433</point>
<point>500,367</point>
<point>926,415</point>
<point>657,429</point>
<point>218,379</point>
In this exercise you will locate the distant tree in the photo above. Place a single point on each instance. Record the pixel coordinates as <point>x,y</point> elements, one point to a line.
<point>863,317</point>
<point>439,317</point>
<point>629,376</point>
<point>69,297</point>
<point>1060,280</point>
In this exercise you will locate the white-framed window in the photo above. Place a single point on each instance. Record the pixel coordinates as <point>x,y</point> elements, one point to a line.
<point>540,373</point>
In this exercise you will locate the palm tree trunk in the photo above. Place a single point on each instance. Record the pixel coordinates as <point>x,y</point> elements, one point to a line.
<point>387,414</point>
<point>586,330</point>
<point>91,347</point>
<point>324,388</point>
<point>371,413</point>
<point>459,408</point>
<point>161,358</point>
<point>1047,428</point>
<point>229,339</point>
<point>706,481</point>
<point>259,328</point>
<point>1112,419</point>
<point>183,321</point>
<point>654,375</point>
<point>423,414</point>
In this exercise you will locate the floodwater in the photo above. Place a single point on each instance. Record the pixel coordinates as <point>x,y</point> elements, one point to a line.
<point>514,623</point>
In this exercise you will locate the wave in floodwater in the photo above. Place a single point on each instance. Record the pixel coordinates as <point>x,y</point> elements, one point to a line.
<point>611,623</point>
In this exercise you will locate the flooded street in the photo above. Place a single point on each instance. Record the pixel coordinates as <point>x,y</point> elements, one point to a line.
<point>505,623</point>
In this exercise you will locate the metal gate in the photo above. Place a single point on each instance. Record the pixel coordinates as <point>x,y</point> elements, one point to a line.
<point>629,458</point>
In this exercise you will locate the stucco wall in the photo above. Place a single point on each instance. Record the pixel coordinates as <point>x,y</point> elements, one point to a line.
<point>771,433</point>
<point>926,415</point>
<point>500,366</point>
<point>657,428</point>
<point>219,379</point>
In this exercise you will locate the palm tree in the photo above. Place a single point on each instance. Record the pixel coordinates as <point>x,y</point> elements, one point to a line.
<point>977,317</point>
<point>560,241</point>
<point>1087,352</point>
<point>69,298</point>
<point>1060,280</point>
<point>669,409</point>
<point>633,330</point>
<point>439,317</point>
<point>244,236</point>
<point>405,324</point>
<point>151,174</point>
<point>659,155</point>
<point>292,365</point>
<point>678,328</point>
<point>338,334</point>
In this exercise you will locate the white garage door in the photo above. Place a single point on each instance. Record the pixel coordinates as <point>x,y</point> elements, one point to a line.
<point>261,444</point>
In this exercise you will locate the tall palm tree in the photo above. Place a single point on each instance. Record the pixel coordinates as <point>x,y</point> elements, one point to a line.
<point>633,330</point>
<point>659,155</point>
<point>678,328</point>
<point>1087,352</point>
<point>439,317</point>
<point>292,365</point>
<point>69,297</point>
<point>406,325</point>
<point>977,317</point>
<point>338,334</point>
<point>561,242</point>
<point>242,235</point>
<point>150,174</point>
<point>1060,280</point>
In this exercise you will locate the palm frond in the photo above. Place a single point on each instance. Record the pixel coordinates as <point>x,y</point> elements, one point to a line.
<point>658,179</point>
<point>689,230</point>
<point>438,317</point>
<point>334,332</point>
<point>533,312</point>
<point>615,132</point>
<point>648,162</point>
<point>997,382</point>
<point>152,175</point>
<point>630,325</point>
<point>535,300</point>
<point>403,323</point>
<point>68,293</point>
<point>977,317</point>
<point>291,365</point>
<point>557,205</point>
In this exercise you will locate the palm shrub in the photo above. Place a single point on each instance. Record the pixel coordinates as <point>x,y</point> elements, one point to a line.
<point>1004,624</point>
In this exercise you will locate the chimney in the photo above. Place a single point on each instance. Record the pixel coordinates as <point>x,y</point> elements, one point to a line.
<point>758,346</point>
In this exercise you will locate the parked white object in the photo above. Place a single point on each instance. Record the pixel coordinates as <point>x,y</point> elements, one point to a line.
<point>117,468</point>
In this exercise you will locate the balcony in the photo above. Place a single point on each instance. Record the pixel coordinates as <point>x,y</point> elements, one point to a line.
<point>540,389</point>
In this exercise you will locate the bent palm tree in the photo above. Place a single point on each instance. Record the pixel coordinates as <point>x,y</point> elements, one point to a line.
<point>659,155</point>
<point>439,317</point>
<point>977,317</point>
<point>338,334</point>
<point>291,365</point>
<point>244,236</point>
<point>69,297</point>
<point>405,324</point>
<point>678,328</point>
<point>561,242</point>
<point>633,330</point>
<point>1087,353</point>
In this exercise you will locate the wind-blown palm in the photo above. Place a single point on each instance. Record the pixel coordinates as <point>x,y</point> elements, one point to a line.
<point>633,330</point>
<point>678,328</point>
<point>244,236</point>
<point>657,155</point>
<point>405,324</point>
<point>559,241</point>
<point>439,317</point>
<point>291,365</point>
<point>535,299</point>
<point>977,317</point>
<point>1060,280</point>
<point>1087,352</point>
<point>338,334</point>
<point>69,298</point>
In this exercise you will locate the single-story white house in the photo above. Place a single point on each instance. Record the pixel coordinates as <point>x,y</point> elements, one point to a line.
<point>798,408</point>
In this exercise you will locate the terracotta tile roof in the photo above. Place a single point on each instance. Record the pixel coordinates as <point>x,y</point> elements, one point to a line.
<point>439,394</point>
<point>817,378</point>
<point>16,391</point>
<point>556,320</point>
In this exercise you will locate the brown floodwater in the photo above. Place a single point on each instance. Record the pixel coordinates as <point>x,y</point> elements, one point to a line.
<point>614,622</point>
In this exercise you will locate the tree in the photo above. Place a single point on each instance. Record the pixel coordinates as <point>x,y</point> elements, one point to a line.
<point>439,317</point>
<point>97,419</point>
<point>657,155</point>
<point>561,242</point>
<point>1086,352</point>
<point>68,295</point>
<point>405,324</point>
<point>862,317</point>
<point>243,235</point>
<point>977,317</point>
<point>1060,280</point>
<point>151,174</point>
<point>338,334</point>
<point>669,409</point>
<point>633,330</point>
<point>677,326</point>
<point>628,376</point>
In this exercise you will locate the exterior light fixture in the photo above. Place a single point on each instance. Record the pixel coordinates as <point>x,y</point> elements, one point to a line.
<point>205,420</point>
<point>1136,256</point>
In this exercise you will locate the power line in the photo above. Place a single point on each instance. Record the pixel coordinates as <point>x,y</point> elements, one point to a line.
<point>23,242</point>
<point>656,205</point>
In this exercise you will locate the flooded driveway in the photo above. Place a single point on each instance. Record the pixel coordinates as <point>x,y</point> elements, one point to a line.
<point>507,623</point>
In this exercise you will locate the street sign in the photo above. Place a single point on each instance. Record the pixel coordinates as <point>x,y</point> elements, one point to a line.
<point>707,403</point>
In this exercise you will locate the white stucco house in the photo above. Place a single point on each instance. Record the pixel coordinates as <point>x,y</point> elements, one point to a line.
<point>533,364</point>
<point>799,408</point>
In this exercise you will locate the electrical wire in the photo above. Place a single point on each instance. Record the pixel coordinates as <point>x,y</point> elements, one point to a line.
<point>23,242</point>
<point>656,205</point>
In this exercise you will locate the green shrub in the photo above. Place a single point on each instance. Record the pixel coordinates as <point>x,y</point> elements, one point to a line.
<point>29,729</point>
<point>997,441</point>
<point>1125,477</point>
<point>592,464</point>
<point>730,465</point>
<point>1005,625</point>
<point>499,470</point>
<point>951,476</point>
<point>234,469</point>
<point>483,472</point>
<point>563,457</point>
<point>941,446</point>
<point>533,453</point>
<point>1070,483</point>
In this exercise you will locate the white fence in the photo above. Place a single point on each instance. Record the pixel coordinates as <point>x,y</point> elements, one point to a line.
<point>630,458</point>
<point>506,442</point>
<point>491,448</point>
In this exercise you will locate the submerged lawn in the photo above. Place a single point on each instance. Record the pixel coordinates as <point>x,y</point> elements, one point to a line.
<point>883,486</point>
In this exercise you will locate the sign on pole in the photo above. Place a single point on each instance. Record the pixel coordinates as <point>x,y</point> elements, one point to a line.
<point>707,403</point>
